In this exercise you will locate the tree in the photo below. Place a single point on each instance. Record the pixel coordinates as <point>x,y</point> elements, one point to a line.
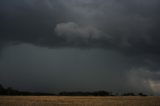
<point>2,90</point>
<point>141,94</point>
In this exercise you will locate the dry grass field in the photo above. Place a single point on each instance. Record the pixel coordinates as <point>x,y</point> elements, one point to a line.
<point>78,101</point>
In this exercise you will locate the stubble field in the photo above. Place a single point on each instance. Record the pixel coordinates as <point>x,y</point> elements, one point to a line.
<point>78,101</point>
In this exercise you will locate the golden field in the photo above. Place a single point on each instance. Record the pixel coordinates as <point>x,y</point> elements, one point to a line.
<point>78,101</point>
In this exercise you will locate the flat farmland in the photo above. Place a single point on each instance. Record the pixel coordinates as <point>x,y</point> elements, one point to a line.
<point>78,101</point>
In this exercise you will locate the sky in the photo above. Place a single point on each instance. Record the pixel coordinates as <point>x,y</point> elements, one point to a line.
<point>80,45</point>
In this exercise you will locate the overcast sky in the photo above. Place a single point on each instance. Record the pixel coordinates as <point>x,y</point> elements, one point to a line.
<point>80,45</point>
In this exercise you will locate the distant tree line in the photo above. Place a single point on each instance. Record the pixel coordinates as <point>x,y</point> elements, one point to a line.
<point>132,94</point>
<point>10,91</point>
<point>96,93</point>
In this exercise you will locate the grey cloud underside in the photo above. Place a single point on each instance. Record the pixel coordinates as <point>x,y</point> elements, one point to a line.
<point>131,27</point>
<point>122,34</point>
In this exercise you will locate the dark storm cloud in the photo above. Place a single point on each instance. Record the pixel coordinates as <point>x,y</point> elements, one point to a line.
<point>127,26</point>
<point>26,21</point>
<point>130,27</point>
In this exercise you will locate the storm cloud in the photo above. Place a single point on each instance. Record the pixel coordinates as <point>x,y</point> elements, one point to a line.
<point>129,28</point>
<point>129,25</point>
